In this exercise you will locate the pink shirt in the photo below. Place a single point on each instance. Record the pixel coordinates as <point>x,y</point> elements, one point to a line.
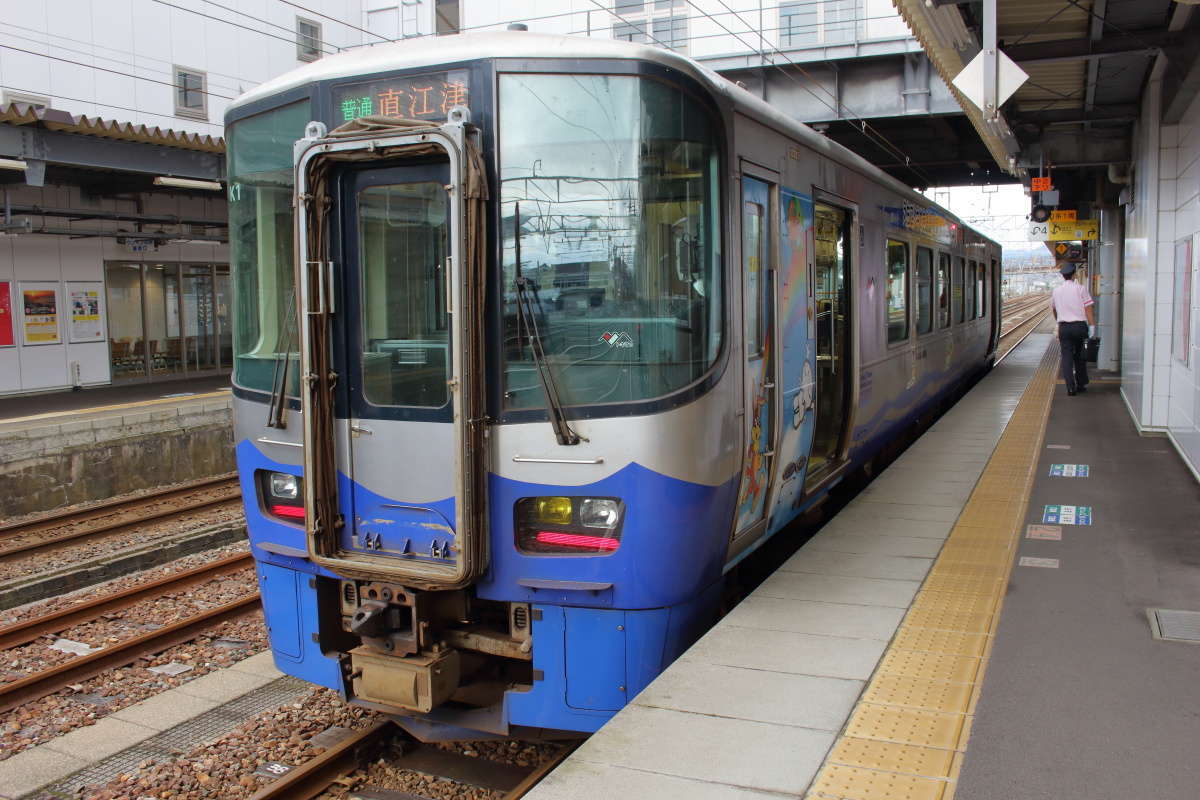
<point>1069,301</point>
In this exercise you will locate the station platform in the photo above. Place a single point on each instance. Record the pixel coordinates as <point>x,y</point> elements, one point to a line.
<point>66,448</point>
<point>928,643</point>
<point>37,409</point>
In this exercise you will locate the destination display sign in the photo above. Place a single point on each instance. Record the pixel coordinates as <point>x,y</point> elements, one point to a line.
<point>427,96</point>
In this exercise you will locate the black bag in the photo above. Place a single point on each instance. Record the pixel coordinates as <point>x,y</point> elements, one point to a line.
<point>1092,349</point>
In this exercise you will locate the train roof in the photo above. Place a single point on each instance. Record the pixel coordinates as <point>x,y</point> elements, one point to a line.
<point>432,50</point>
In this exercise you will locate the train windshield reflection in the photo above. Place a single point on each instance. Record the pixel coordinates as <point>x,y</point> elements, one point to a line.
<point>615,179</point>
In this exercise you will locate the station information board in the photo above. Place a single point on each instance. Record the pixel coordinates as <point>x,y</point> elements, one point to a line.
<point>427,96</point>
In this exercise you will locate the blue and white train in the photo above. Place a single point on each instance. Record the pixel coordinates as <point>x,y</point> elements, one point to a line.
<point>536,338</point>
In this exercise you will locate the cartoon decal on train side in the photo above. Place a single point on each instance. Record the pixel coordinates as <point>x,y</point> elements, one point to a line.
<point>798,368</point>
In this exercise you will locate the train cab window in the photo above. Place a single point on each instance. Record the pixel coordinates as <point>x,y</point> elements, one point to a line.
<point>924,290</point>
<point>956,292</point>
<point>897,291</point>
<point>403,241</point>
<point>969,291</point>
<point>611,185</point>
<point>943,291</point>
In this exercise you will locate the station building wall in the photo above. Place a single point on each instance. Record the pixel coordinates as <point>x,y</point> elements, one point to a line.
<point>1161,311</point>
<point>58,261</point>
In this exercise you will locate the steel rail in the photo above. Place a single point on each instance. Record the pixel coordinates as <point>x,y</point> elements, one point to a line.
<point>48,681</point>
<point>315,775</point>
<point>541,771</point>
<point>26,631</point>
<point>10,553</point>
<point>1032,322</point>
<point>109,507</point>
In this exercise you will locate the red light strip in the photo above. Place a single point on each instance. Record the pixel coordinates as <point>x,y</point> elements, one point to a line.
<point>295,512</point>
<point>578,540</point>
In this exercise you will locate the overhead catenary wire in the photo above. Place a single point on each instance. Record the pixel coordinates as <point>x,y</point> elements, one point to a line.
<point>295,39</point>
<point>875,137</point>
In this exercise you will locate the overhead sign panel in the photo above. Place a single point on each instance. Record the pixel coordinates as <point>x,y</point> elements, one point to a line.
<point>1080,230</point>
<point>1009,78</point>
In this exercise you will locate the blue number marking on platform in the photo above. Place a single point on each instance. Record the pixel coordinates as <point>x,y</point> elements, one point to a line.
<point>1083,515</point>
<point>1050,515</point>
<point>1056,470</point>
<point>1082,471</point>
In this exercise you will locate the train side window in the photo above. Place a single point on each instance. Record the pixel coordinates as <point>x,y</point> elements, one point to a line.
<point>943,291</point>
<point>981,290</point>
<point>897,291</point>
<point>969,291</point>
<point>956,293</point>
<point>924,290</point>
<point>754,265</point>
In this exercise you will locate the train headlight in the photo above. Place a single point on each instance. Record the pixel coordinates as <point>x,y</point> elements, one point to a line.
<point>599,512</point>
<point>284,486</point>
<point>568,525</point>
<point>282,496</point>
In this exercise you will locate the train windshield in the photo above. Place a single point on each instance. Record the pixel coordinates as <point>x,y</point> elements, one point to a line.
<point>609,201</point>
<point>261,247</point>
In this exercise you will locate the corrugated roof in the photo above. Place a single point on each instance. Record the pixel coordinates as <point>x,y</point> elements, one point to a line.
<point>56,120</point>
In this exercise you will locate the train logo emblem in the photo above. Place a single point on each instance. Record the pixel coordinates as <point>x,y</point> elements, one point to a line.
<point>617,339</point>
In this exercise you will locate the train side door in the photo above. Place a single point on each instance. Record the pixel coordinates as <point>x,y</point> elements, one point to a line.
<point>833,337</point>
<point>759,356</point>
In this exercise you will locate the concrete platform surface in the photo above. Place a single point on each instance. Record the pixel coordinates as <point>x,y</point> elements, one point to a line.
<point>753,708</point>
<point>40,766</point>
<point>70,403</point>
<point>1079,700</point>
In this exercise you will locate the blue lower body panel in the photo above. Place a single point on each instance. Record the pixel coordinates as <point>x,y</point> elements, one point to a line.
<point>289,601</point>
<point>590,662</point>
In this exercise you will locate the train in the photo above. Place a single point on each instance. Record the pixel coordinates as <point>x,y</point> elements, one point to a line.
<point>537,337</point>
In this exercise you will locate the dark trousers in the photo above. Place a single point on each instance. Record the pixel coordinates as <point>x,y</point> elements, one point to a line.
<point>1072,338</point>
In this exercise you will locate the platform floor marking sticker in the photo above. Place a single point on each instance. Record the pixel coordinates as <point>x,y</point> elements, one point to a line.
<point>1067,515</point>
<point>1030,561</point>
<point>1068,470</point>
<point>1058,447</point>
<point>1052,533</point>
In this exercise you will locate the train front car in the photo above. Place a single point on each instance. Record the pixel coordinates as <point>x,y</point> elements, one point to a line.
<point>489,454</point>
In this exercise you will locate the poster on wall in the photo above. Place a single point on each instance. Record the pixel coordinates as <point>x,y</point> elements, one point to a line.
<point>86,325</point>
<point>39,324</point>
<point>7,333</point>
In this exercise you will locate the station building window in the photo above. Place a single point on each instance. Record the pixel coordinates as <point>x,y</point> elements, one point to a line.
<point>167,319</point>
<point>191,93</point>
<point>925,289</point>
<point>897,291</point>
<point>308,39</point>
<point>817,22</point>
<point>651,23</point>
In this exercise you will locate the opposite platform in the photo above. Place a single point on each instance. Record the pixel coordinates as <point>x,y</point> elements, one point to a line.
<point>754,708</point>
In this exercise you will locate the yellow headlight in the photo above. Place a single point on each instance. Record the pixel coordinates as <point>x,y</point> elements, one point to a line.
<point>555,510</point>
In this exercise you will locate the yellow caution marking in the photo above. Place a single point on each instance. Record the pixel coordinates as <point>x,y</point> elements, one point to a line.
<point>906,737</point>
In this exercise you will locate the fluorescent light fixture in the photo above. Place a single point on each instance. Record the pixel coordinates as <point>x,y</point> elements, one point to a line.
<point>187,183</point>
<point>12,163</point>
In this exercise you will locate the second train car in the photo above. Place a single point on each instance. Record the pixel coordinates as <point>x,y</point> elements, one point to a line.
<point>536,337</point>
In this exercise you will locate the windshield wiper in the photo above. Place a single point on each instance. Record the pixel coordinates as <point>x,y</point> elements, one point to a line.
<point>277,409</point>
<point>524,287</point>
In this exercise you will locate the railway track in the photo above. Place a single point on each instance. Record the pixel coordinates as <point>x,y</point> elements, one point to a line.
<point>22,539</point>
<point>343,758</point>
<point>1019,322</point>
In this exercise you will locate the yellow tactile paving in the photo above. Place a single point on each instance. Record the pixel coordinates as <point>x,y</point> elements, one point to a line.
<point>892,757</point>
<point>932,640</point>
<point>931,695</point>
<point>906,737</point>
<point>840,782</point>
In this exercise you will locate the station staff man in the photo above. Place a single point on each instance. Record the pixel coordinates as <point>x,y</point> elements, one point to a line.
<point>1072,307</point>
